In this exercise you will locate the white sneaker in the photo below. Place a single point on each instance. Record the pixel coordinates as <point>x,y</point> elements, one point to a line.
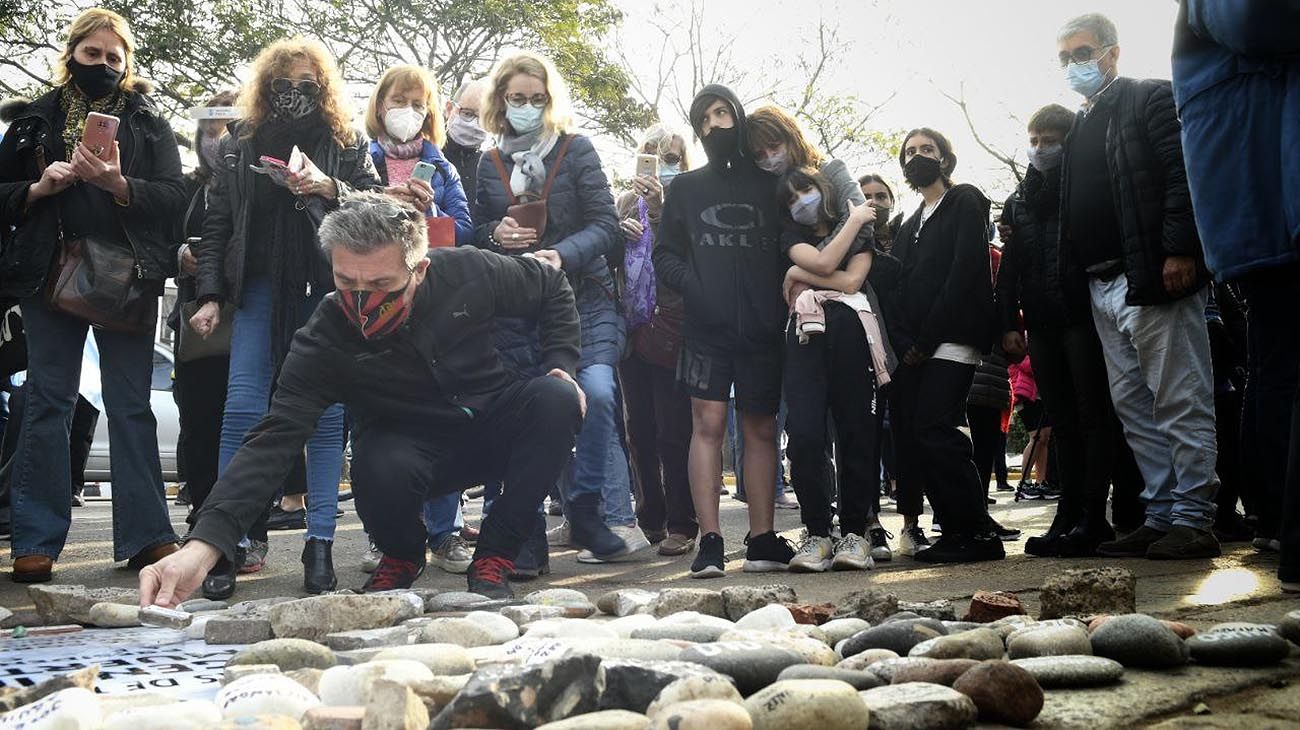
<point>851,554</point>
<point>634,541</point>
<point>913,541</point>
<point>453,555</point>
<point>370,558</point>
<point>560,536</point>
<point>813,556</point>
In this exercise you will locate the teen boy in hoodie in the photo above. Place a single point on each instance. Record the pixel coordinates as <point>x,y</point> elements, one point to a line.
<point>720,247</point>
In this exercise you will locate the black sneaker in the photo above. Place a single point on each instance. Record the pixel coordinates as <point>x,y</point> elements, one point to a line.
<point>1133,545</point>
<point>1049,490</point>
<point>487,577</point>
<point>280,519</point>
<point>1005,534</point>
<point>963,549</point>
<point>709,561</point>
<point>767,553</point>
<point>1082,541</point>
<point>879,538</point>
<point>393,574</point>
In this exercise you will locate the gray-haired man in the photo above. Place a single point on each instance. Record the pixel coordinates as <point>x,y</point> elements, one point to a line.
<point>406,345</point>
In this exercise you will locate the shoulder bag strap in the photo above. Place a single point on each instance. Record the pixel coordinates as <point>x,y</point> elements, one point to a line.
<point>40,170</point>
<point>550,176</point>
<point>505,176</point>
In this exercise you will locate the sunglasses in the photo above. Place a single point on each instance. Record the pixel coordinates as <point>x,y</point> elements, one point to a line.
<point>538,100</point>
<point>1082,54</point>
<point>306,86</point>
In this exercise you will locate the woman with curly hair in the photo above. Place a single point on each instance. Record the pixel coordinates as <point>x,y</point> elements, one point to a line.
<point>291,158</point>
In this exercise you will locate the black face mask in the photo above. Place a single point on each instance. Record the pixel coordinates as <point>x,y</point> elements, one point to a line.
<point>921,171</point>
<point>721,145</point>
<point>95,81</point>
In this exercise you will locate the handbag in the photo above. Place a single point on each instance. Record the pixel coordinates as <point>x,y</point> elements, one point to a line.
<point>191,346</point>
<point>533,213</point>
<point>100,282</point>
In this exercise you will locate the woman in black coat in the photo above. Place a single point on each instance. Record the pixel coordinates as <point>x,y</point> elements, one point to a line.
<point>54,188</point>
<point>527,106</point>
<point>939,311</point>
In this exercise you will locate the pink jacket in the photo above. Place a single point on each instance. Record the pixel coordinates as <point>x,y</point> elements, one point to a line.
<point>1022,381</point>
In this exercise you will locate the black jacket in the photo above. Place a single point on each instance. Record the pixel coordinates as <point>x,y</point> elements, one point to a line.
<point>152,170</point>
<point>720,246</point>
<point>465,160</point>
<point>943,291</point>
<point>222,251</point>
<point>433,374</point>
<point>1144,153</point>
<point>1029,279</point>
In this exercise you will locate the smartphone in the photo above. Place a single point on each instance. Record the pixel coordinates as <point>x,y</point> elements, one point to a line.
<point>424,171</point>
<point>647,166</point>
<point>100,131</point>
<point>275,168</point>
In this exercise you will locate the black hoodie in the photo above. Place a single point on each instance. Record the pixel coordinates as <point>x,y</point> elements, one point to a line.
<point>719,245</point>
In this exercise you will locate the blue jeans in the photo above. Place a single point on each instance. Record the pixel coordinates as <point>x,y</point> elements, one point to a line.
<point>248,398</point>
<point>599,461</point>
<point>442,516</point>
<point>738,449</point>
<point>42,500</point>
<point>1158,358</point>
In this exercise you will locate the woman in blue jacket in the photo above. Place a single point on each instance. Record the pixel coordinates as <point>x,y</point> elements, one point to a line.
<point>405,126</point>
<point>537,158</point>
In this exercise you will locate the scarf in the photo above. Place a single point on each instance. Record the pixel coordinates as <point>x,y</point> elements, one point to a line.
<point>401,150</point>
<point>639,299</point>
<point>529,152</point>
<point>76,107</point>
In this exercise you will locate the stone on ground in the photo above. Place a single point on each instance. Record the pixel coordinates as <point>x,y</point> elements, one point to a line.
<point>459,631</point>
<point>238,630</point>
<point>1070,672</point>
<point>820,704</point>
<point>700,600</point>
<point>315,617</point>
<point>1239,645</point>
<point>918,706</point>
<point>525,696</point>
<point>348,686</point>
<point>441,659</point>
<point>73,708</point>
<point>265,694</point>
<point>896,636</point>
<point>625,601</point>
<point>393,706</point>
<point>1048,641</point>
<point>773,617</point>
<point>989,606</point>
<point>1088,592</point>
<point>859,679</point>
<point>603,720</point>
<point>751,664</point>
<point>333,718</point>
<point>700,687</point>
<point>1138,640</point>
<point>740,600</point>
<point>938,671</point>
<point>702,715</point>
<point>368,638</point>
<point>287,654</point>
<point>1002,692</point>
<point>187,715</point>
<point>872,605</point>
<point>978,644</point>
<point>632,684</point>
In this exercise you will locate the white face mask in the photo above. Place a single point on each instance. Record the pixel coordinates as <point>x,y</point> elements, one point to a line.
<point>465,133</point>
<point>1045,157</point>
<point>403,123</point>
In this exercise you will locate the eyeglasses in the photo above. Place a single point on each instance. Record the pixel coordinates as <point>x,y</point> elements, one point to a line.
<point>468,115</point>
<point>1082,54</point>
<point>538,100</point>
<point>306,86</point>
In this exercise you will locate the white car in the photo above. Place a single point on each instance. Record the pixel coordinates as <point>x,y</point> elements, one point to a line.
<point>160,399</point>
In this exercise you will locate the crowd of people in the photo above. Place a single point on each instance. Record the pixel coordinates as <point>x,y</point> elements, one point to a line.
<point>465,316</point>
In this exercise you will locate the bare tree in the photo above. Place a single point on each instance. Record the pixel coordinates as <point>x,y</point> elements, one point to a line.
<point>1006,158</point>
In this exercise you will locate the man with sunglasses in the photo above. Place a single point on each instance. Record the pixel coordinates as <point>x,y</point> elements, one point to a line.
<point>405,343</point>
<point>465,133</point>
<point>1128,235</point>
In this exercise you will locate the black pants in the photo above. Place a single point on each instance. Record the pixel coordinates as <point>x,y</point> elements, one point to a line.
<point>934,457</point>
<point>1227,433</point>
<point>659,440</point>
<point>1000,458</point>
<point>1071,374</point>
<point>986,439</point>
<point>200,394</point>
<point>1274,406</point>
<point>832,372</point>
<point>523,439</point>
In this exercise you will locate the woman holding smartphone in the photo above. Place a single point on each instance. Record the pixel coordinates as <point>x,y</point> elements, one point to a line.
<point>406,131</point>
<point>542,193</point>
<point>259,252</point>
<point>54,189</point>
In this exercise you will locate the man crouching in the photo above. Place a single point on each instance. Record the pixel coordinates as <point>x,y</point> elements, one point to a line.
<point>406,346</point>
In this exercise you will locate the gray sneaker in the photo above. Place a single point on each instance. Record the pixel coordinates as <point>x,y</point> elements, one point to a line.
<point>254,557</point>
<point>370,559</point>
<point>634,541</point>
<point>453,555</point>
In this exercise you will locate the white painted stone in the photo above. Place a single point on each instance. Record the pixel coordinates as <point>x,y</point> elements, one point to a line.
<point>70,709</point>
<point>626,625</point>
<point>500,628</point>
<point>190,715</point>
<point>265,694</point>
<point>346,686</point>
<point>772,617</point>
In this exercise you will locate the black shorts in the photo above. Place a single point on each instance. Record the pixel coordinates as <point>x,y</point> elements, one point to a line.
<point>708,374</point>
<point>1034,415</point>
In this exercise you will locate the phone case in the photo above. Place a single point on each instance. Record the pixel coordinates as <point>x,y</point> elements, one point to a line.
<point>100,131</point>
<point>423,171</point>
<point>647,166</point>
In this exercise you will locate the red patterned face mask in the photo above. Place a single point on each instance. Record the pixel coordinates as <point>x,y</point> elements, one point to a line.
<point>375,313</point>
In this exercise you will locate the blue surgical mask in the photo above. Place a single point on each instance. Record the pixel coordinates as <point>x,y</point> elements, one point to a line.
<point>668,172</point>
<point>804,210</point>
<point>524,119</point>
<point>1085,78</point>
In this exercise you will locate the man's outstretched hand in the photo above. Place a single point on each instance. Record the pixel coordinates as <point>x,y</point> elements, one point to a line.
<point>171,580</point>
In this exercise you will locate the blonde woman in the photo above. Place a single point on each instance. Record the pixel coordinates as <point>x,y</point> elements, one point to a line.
<point>126,195</point>
<point>527,107</point>
<point>259,253</point>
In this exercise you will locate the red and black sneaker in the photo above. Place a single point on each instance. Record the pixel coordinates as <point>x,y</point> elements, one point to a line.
<point>393,574</point>
<point>487,577</point>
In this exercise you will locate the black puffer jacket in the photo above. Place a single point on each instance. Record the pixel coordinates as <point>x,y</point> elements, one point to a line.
<point>991,387</point>
<point>1029,279</point>
<point>152,169</point>
<point>222,252</point>
<point>1144,153</point>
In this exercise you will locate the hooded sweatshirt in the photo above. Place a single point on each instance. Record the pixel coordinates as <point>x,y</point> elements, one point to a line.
<point>720,244</point>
